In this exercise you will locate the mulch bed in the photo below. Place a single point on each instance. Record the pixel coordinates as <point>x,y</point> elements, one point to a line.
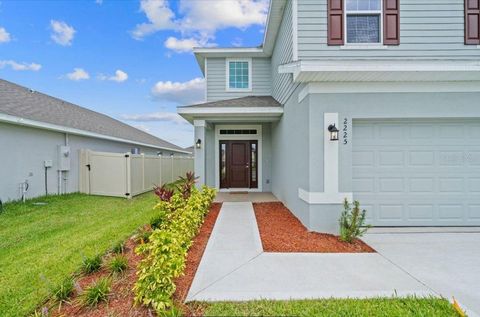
<point>120,301</point>
<point>281,231</point>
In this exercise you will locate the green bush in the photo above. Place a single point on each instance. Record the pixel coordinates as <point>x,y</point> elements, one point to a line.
<point>63,291</point>
<point>157,221</point>
<point>93,264</point>
<point>118,247</point>
<point>97,292</point>
<point>165,254</point>
<point>352,222</point>
<point>118,264</point>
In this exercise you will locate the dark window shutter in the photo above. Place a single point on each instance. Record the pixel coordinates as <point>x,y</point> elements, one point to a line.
<point>472,22</point>
<point>335,22</point>
<point>391,22</point>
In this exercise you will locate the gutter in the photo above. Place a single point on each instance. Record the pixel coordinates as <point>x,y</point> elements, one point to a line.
<point>58,128</point>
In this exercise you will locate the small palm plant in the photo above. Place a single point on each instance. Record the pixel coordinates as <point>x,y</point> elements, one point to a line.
<point>352,222</point>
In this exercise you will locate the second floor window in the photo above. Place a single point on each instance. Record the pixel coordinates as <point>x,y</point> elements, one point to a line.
<point>238,75</point>
<point>363,21</point>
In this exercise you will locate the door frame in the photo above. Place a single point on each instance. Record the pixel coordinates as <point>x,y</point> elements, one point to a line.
<point>243,137</point>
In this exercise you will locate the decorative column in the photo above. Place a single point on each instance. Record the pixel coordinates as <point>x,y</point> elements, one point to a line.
<point>200,127</point>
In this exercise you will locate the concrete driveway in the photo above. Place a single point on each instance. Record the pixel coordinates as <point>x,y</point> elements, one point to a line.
<point>446,260</point>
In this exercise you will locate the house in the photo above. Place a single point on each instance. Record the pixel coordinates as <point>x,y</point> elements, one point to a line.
<point>40,139</point>
<point>399,79</point>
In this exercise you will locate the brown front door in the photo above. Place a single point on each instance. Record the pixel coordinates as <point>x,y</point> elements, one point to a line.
<point>238,164</point>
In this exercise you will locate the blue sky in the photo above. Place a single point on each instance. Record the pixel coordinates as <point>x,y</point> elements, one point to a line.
<point>131,60</point>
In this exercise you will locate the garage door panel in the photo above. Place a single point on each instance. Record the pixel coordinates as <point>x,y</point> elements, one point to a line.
<point>418,172</point>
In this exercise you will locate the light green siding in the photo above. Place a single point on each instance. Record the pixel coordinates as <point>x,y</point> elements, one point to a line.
<point>216,79</point>
<point>282,84</point>
<point>428,29</point>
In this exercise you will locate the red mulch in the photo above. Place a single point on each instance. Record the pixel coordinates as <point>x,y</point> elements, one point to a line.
<point>120,301</point>
<point>193,260</point>
<point>281,231</point>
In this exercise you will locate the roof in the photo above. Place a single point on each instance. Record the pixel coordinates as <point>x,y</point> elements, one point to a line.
<point>274,18</point>
<point>249,101</point>
<point>259,108</point>
<point>24,103</point>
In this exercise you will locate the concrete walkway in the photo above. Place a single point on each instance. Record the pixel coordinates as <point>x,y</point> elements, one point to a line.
<point>448,261</point>
<point>234,267</point>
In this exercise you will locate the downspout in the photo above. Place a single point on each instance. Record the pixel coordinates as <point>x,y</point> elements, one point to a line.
<point>65,174</point>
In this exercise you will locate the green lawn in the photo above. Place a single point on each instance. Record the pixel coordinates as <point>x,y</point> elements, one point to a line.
<point>41,245</point>
<point>387,307</point>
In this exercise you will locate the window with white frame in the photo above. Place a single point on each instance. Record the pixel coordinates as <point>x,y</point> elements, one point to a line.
<point>239,74</point>
<point>363,19</point>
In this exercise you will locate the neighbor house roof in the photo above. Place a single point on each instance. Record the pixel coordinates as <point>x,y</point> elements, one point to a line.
<point>20,105</point>
<point>248,107</point>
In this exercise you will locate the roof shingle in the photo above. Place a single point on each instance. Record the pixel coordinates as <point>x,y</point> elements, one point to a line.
<point>22,102</point>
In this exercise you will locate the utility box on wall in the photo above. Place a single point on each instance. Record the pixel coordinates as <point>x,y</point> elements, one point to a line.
<point>63,158</point>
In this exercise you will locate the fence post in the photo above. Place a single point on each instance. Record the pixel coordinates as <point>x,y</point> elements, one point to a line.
<point>143,172</point>
<point>171,156</point>
<point>160,170</point>
<point>128,164</point>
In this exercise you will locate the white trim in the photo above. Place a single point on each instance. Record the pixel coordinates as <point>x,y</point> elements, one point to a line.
<point>258,137</point>
<point>313,198</point>
<point>227,74</point>
<point>295,30</point>
<point>63,129</point>
<point>206,79</point>
<point>386,87</point>
<point>330,155</point>
<point>383,70</point>
<point>363,12</point>
<point>203,50</point>
<point>366,46</point>
<point>231,110</point>
<point>199,123</point>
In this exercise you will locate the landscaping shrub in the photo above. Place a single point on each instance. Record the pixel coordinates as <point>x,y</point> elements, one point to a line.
<point>97,292</point>
<point>118,264</point>
<point>93,264</point>
<point>63,291</point>
<point>157,220</point>
<point>165,255</point>
<point>118,247</point>
<point>163,192</point>
<point>143,235</point>
<point>352,222</point>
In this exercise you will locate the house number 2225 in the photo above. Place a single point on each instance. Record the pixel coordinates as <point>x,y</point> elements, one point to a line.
<point>345,131</point>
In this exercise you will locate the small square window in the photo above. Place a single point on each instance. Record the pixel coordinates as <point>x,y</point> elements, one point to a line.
<point>238,75</point>
<point>363,29</point>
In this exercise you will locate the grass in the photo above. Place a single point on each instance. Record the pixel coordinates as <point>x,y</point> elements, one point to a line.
<point>118,264</point>
<point>40,246</point>
<point>376,307</point>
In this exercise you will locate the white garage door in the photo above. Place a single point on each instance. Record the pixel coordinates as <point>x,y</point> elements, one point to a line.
<point>418,172</point>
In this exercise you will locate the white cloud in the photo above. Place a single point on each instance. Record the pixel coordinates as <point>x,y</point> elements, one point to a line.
<point>99,2</point>
<point>62,32</point>
<point>159,15</point>
<point>120,76</point>
<point>78,74</point>
<point>182,45</point>
<point>198,21</point>
<point>189,92</point>
<point>155,117</point>
<point>237,42</point>
<point>20,66</point>
<point>4,36</point>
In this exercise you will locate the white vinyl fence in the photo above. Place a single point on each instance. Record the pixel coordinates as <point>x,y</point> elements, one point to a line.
<point>126,174</point>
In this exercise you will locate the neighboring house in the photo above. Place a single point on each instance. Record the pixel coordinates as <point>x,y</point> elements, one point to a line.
<point>400,79</point>
<point>190,149</point>
<point>40,137</point>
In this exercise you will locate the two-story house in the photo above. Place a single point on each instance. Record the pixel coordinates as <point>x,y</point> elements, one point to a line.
<point>399,79</point>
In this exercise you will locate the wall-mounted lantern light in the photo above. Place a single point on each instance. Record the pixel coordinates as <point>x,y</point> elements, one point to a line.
<point>333,132</point>
<point>198,144</point>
